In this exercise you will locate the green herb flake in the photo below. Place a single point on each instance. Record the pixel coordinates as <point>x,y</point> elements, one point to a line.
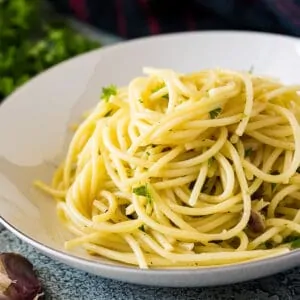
<point>295,244</point>
<point>108,91</point>
<point>141,100</point>
<point>166,96</point>
<point>268,245</point>
<point>147,153</point>
<point>108,113</point>
<point>251,70</point>
<point>215,113</point>
<point>248,152</point>
<point>273,186</point>
<point>143,191</point>
<point>291,238</point>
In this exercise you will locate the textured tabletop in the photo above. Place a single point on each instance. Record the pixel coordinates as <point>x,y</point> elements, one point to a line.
<point>64,283</point>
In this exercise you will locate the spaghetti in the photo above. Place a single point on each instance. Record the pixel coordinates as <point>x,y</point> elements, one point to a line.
<point>185,170</point>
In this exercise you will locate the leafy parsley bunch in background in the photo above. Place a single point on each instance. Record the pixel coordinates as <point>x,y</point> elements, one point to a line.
<point>31,42</point>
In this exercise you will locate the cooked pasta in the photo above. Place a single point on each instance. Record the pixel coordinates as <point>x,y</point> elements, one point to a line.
<point>185,170</point>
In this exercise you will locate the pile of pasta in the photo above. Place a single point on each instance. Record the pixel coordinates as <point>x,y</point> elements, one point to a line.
<point>185,170</point>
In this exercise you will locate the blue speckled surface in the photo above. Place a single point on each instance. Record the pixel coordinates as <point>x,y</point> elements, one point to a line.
<point>63,283</point>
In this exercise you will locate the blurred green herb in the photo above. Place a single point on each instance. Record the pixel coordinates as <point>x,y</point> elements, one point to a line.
<point>30,44</point>
<point>108,91</point>
<point>215,113</point>
<point>143,191</point>
<point>248,152</point>
<point>268,245</point>
<point>295,244</point>
<point>291,238</point>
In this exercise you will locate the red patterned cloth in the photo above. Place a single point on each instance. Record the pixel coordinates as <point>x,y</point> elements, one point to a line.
<point>134,18</point>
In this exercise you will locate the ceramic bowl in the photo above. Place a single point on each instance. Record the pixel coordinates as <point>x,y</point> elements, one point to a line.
<point>34,134</point>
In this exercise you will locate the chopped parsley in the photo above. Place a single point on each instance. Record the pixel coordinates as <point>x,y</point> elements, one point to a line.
<point>143,191</point>
<point>291,238</point>
<point>268,245</point>
<point>248,152</point>
<point>141,100</point>
<point>215,113</point>
<point>110,90</point>
<point>295,244</point>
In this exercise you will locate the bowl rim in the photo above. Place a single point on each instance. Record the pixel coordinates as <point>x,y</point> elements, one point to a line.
<point>122,268</point>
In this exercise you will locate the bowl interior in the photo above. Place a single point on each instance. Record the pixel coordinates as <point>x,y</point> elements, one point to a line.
<point>34,121</point>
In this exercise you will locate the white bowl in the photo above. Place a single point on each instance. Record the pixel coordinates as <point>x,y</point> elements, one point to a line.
<point>34,135</point>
